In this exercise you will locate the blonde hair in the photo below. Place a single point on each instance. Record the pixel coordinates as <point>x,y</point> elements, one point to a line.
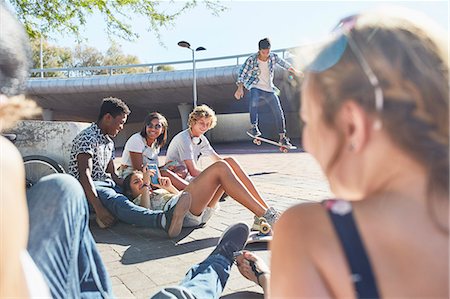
<point>200,112</point>
<point>408,54</point>
<point>14,108</point>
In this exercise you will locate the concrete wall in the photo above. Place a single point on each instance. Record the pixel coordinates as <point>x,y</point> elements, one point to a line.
<point>52,139</point>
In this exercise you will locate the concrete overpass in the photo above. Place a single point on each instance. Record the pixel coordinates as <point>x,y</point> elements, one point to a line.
<point>78,98</point>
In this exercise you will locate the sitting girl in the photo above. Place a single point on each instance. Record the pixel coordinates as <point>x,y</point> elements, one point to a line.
<point>203,192</point>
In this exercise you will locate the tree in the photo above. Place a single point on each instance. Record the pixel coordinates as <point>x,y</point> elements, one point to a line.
<point>69,16</point>
<point>53,57</point>
<point>115,56</point>
<point>84,56</point>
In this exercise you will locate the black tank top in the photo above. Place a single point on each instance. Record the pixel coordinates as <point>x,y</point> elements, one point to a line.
<point>341,215</point>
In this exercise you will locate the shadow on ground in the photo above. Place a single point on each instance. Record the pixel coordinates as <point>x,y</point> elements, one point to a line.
<point>145,244</point>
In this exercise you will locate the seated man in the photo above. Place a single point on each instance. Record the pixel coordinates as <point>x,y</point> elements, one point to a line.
<point>188,145</point>
<point>91,162</point>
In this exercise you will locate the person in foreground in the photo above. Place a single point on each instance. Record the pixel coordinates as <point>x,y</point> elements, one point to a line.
<point>91,162</point>
<point>47,250</point>
<point>138,187</point>
<point>378,93</point>
<point>375,105</point>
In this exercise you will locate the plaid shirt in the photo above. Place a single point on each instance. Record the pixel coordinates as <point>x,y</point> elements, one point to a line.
<point>249,72</point>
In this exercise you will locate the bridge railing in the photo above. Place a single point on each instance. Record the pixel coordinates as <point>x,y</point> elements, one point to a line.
<point>144,67</point>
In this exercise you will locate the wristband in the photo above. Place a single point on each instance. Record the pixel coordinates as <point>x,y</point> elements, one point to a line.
<point>257,273</point>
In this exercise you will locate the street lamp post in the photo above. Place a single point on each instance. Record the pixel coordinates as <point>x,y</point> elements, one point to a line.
<point>185,44</point>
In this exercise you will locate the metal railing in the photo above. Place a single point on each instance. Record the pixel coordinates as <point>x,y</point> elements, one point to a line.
<point>145,67</point>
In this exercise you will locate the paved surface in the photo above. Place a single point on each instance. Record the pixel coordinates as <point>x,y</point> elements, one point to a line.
<point>141,261</point>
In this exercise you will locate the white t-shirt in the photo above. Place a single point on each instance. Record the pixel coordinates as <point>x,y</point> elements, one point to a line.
<point>37,287</point>
<point>265,83</point>
<point>182,148</point>
<point>136,143</point>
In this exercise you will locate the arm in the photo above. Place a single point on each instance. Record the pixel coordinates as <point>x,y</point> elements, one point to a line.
<point>192,168</point>
<point>286,65</point>
<point>14,214</point>
<point>165,183</point>
<point>243,73</point>
<point>145,197</point>
<point>110,169</point>
<point>239,93</point>
<point>136,160</point>
<point>84,162</point>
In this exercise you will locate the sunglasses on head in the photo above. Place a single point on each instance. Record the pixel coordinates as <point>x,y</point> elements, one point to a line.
<point>333,52</point>
<point>152,126</point>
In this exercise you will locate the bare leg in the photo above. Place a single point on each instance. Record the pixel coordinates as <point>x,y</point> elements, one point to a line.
<point>245,179</point>
<point>206,185</point>
<point>177,181</point>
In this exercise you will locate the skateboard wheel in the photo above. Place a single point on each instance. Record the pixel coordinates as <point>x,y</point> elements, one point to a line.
<point>284,150</point>
<point>257,142</point>
<point>265,228</point>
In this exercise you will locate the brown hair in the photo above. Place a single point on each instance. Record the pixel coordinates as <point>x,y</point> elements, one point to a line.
<point>162,139</point>
<point>126,186</point>
<point>202,111</point>
<point>410,61</point>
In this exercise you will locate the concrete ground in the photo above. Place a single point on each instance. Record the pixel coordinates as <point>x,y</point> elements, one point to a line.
<point>141,261</point>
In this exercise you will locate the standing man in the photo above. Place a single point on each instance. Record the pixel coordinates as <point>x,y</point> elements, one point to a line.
<point>91,162</point>
<point>256,75</point>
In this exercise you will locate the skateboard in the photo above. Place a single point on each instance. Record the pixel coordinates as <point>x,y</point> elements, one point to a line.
<point>258,237</point>
<point>258,139</point>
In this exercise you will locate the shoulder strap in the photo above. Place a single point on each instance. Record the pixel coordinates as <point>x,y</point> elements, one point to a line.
<point>347,231</point>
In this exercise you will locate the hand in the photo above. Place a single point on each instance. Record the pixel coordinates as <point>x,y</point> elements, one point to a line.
<point>296,73</point>
<point>164,183</point>
<point>244,266</point>
<point>146,174</point>
<point>239,94</point>
<point>104,216</point>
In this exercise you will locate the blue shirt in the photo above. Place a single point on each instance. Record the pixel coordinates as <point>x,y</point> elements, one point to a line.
<point>249,71</point>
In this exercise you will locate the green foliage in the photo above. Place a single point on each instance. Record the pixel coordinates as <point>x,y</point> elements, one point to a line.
<point>69,16</point>
<point>82,56</point>
<point>164,68</point>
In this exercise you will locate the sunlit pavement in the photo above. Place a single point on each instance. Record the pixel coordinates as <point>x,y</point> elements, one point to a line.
<point>141,261</point>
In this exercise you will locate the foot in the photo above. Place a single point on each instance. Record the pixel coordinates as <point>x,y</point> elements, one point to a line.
<point>254,131</point>
<point>174,216</point>
<point>232,240</point>
<point>256,223</point>
<point>271,216</point>
<point>285,141</point>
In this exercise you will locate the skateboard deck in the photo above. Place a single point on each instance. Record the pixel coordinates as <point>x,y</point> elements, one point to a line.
<point>257,237</point>
<point>258,139</point>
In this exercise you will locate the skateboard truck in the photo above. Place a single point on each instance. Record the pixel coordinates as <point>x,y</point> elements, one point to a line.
<point>263,226</point>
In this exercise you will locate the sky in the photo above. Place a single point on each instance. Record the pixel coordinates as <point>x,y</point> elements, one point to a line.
<point>238,29</point>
